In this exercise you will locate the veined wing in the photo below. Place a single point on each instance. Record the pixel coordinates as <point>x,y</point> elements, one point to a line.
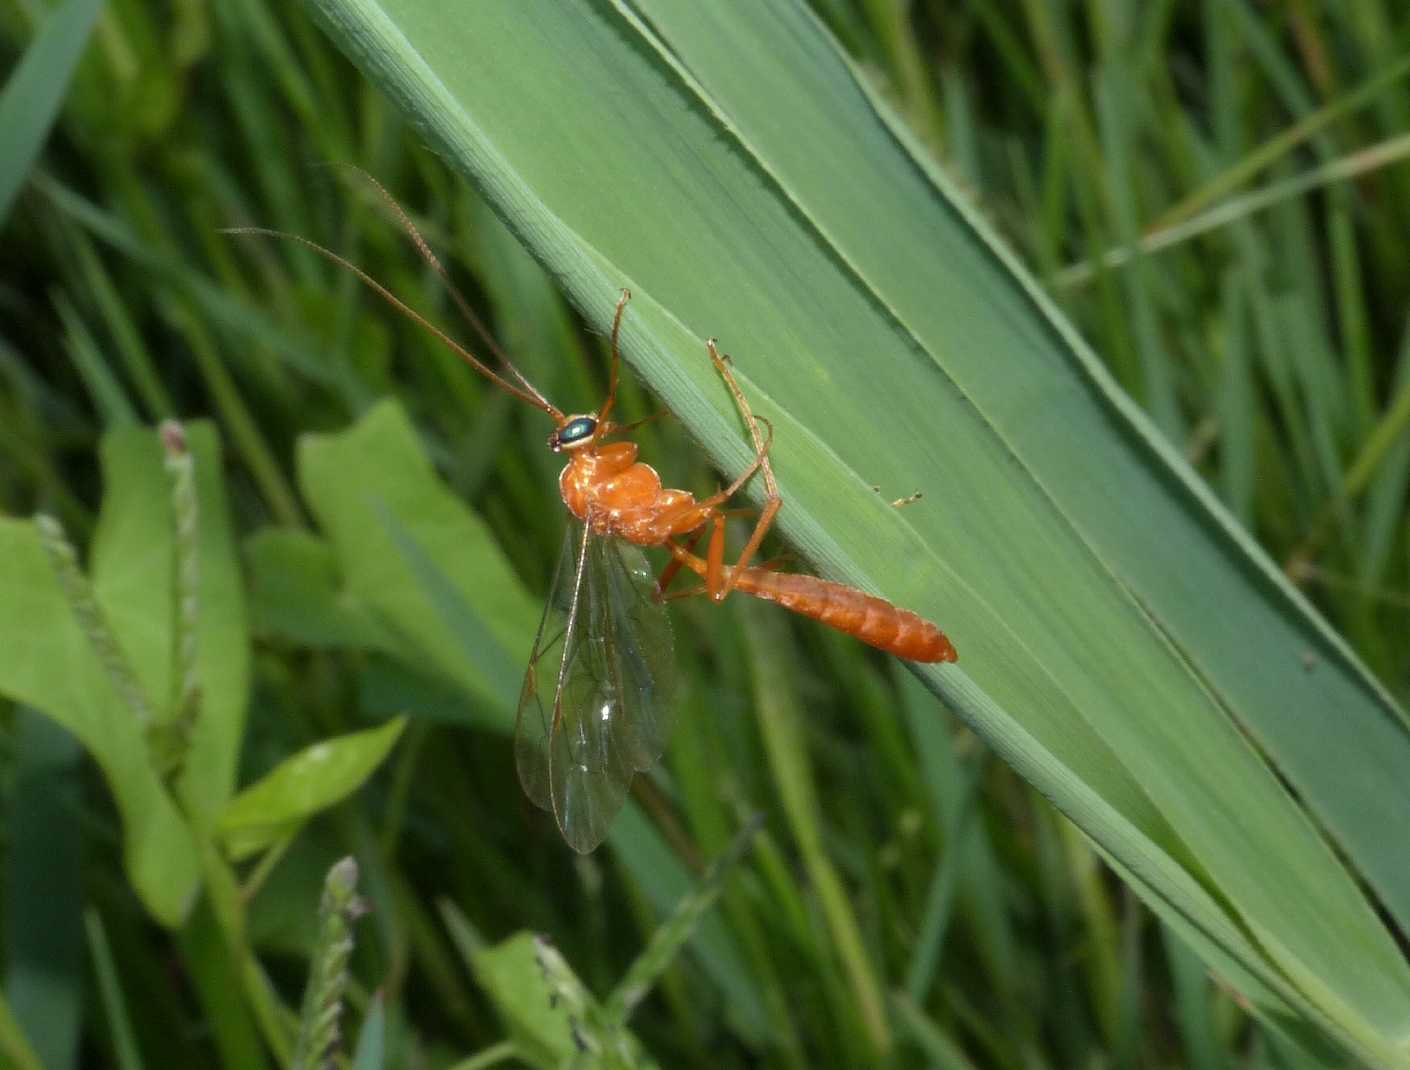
<point>598,694</point>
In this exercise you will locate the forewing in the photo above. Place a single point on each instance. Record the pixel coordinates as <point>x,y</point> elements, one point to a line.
<point>598,694</point>
<point>566,746</point>
<point>533,725</point>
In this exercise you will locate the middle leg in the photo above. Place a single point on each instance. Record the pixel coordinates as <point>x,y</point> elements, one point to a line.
<point>674,566</point>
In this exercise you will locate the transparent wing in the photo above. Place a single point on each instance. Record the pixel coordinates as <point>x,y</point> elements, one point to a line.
<point>598,695</point>
<point>536,699</point>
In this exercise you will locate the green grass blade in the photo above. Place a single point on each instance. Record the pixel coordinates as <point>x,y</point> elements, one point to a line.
<point>31,98</point>
<point>370,1053</point>
<point>666,882</point>
<point>646,969</point>
<point>124,1039</point>
<point>779,709</point>
<point>939,1049</point>
<point>104,388</point>
<point>939,905</point>
<point>1278,147</point>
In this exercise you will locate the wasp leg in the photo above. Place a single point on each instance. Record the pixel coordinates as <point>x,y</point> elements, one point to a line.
<point>675,565</point>
<point>616,364</point>
<point>773,501</point>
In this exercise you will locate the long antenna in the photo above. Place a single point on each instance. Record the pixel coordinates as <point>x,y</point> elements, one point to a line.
<point>527,393</point>
<point>424,248</point>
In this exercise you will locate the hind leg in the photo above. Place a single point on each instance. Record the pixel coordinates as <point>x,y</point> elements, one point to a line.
<point>719,581</point>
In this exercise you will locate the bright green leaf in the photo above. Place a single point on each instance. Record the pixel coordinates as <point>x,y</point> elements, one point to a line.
<point>132,580</point>
<point>50,664</point>
<point>413,553</point>
<point>512,975</point>
<point>295,591</point>
<point>299,787</point>
<point>548,1012</point>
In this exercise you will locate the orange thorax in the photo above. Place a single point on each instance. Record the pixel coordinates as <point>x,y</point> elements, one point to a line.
<point>607,487</point>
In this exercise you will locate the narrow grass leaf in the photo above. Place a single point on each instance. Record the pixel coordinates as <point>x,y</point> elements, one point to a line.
<point>1192,1006</point>
<point>242,319</point>
<point>940,1049</point>
<point>224,996</point>
<point>136,356</point>
<point>124,1038</point>
<point>940,899</point>
<point>31,98</point>
<point>104,389</point>
<point>666,881</point>
<point>1276,148</point>
<point>672,933</point>
<point>982,878</point>
<point>777,706</point>
<point>1383,466</point>
<point>371,1050</point>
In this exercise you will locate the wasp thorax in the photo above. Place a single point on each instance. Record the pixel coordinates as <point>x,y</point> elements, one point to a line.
<point>577,431</point>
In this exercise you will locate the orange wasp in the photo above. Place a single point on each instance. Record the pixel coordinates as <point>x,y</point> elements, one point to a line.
<point>596,704</point>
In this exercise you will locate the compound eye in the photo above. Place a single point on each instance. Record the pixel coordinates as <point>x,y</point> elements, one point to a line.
<point>576,430</point>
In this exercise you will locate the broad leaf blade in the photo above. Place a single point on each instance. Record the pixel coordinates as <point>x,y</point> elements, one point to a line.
<point>50,665</point>
<point>1117,633</point>
<point>409,550</point>
<point>132,579</point>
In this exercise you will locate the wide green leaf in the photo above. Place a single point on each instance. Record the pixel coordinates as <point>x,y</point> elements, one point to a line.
<point>409,550</point>
<point>50,664</point>
<point>53,664</point>
<point>295,593</point>
<point>1122,642</point>
<point>133,578</point>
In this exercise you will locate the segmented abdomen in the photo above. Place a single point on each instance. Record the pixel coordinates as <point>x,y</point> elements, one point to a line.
<point>872,620</point>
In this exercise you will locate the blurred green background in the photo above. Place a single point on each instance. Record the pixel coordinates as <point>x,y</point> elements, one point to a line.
<point>907,901</point>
